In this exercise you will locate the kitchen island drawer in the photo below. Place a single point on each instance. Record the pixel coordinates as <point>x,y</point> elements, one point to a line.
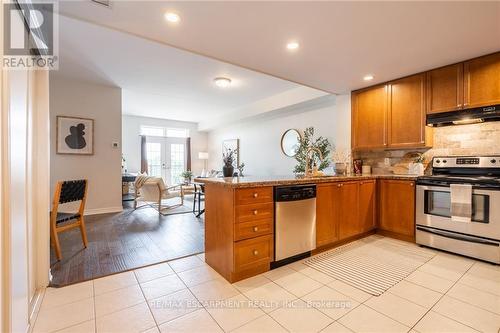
<point>254,212</point>
<point>252,229</point>
<point>253,252</point>
<point>245,196</point>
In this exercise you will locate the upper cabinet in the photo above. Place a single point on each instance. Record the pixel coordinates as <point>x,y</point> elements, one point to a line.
<point>407,112</point>
<point>482,81</point>
<point>392,115</point>
<point>369,117</point>
<point>445,88</point>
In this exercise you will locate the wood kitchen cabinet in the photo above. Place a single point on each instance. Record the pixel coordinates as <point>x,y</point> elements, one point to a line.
<point>482,81</point>
<point>369,118</point>
<point>445,89</point>
<point>367,204</point>
<point>348,214</point>
<point>326,220</point>
<point>397,208</point>
<point>344,210</point>
<point>406,120</point>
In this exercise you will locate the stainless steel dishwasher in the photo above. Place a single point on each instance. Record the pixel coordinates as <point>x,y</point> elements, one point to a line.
<point>295,221</point>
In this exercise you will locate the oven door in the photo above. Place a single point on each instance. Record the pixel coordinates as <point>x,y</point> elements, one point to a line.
<point>433,210</point>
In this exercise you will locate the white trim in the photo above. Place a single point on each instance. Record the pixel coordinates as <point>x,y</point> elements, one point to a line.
<point>104,210</point>
<point>35,305</point>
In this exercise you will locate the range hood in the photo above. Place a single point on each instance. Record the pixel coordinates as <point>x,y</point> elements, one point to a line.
<point>463,117</point>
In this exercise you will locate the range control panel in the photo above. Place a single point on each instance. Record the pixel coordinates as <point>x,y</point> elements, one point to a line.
<point>466,161</point>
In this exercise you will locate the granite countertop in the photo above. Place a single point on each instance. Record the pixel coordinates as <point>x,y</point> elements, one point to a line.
<point>292,180</point>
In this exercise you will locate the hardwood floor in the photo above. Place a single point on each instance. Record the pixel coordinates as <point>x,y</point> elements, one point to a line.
<point>124,241</point>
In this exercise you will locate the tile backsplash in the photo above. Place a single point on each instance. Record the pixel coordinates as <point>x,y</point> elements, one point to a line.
<point>474,139</point>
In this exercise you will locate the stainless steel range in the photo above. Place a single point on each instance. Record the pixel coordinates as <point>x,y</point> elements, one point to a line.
<point>478,235</point>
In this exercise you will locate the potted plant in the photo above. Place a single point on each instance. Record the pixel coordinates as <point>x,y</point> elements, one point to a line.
<point>228,158</point>
<point>187,175</point>
<point>306,141</point>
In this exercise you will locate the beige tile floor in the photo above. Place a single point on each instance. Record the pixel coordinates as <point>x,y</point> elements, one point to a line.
<point>447,294</point>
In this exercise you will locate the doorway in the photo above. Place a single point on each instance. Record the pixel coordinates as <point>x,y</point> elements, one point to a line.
<point>166,158</point>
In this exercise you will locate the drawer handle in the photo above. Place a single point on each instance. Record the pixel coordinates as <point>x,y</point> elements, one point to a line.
<point>255,229</point>
<point>255,252</point>
<point>255,212</point>
<point>255,195</point>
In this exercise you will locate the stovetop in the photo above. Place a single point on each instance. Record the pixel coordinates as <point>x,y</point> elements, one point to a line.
<point>480,171</point>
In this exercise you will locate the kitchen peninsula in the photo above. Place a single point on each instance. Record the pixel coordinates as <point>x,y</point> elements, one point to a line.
<point>240,216</point>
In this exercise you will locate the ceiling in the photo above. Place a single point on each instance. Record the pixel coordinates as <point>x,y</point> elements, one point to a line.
<point>158,80</point>
<point>340,42</point>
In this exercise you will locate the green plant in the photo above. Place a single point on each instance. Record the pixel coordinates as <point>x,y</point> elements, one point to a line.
<point>187,175</point>
<point>307,140</point>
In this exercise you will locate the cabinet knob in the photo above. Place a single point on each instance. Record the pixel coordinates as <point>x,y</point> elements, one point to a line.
<point>255,195</point>
<point>411,184</point>
<point>255,212</point>
<point>255,229</point>
<point>338,185</point>
<point>255,252</point>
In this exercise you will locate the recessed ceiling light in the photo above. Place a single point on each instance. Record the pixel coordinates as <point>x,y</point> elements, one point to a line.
<point>222,82</point>
<point>292,46</point>
<point>368,77</point>
<point>172,17</point>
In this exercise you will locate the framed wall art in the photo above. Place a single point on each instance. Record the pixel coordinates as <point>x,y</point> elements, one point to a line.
<point>74,136</point>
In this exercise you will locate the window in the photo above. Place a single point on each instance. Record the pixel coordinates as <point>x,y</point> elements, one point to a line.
<point>153,153</point>
<point>177,162</point>
<point>164,131</point>
<point>177,132</point>
<point>152,131</point>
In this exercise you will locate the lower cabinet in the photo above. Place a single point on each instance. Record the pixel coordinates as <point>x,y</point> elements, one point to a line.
<point>397,208</point>
<point>344,210</point>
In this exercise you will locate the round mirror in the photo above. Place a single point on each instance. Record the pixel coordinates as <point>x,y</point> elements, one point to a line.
<point>290,142</point>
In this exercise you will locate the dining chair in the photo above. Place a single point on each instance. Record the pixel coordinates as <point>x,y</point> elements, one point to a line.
<point>66,192</point>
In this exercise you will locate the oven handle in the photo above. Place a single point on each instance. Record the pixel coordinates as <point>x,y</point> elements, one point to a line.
<point>457,236</point>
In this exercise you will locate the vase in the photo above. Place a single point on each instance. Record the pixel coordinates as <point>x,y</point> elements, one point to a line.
<point>227,171</point>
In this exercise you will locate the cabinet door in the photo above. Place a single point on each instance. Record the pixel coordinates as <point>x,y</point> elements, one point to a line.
<point>482,81</point>
<point>348,214</point>
<point>369,118</point>
<point>367,190</point>
<point>397,207</point>
<point>407,112</point>
<point>326,221</point>
<point>445,89</point>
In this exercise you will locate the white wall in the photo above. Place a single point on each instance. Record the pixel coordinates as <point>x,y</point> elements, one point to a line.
<point>260,139</point>
<point>132,142</point>
<point>103,169</point>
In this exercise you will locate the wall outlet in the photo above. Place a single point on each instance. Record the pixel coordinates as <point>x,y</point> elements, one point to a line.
<point>115,144</point>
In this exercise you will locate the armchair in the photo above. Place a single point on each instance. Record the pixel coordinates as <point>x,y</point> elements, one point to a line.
<point>152,191</point>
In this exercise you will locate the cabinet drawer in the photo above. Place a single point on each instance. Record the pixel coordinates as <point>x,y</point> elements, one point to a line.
<point>253,252</point>
<point>252,229</point>
<point>254,212</point>
<point>246,196</point>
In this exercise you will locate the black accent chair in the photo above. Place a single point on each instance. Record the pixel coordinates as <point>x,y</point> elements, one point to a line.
<point>68,191</point>
<point>199,194</point>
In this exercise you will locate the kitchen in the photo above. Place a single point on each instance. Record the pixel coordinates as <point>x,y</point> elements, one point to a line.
<point>249,230</point>
<point>356,188</point>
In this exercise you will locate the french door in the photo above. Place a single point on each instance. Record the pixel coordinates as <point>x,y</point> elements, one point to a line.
<point>166,158</point>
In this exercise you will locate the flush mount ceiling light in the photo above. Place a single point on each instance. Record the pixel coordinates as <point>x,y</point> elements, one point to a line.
<point>368,77</point>
<point>222,82</point>
<point>172,17</point>
<point>292,46</point>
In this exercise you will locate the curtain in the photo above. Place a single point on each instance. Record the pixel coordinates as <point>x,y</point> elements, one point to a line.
<point>188,154</point>
<point>144,158</point>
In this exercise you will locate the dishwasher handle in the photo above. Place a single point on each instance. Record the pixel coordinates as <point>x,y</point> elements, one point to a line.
<point>294,193</point>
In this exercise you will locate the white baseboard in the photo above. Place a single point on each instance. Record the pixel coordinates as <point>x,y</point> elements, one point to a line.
<point>105,210</point>
<point>34,308</point>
